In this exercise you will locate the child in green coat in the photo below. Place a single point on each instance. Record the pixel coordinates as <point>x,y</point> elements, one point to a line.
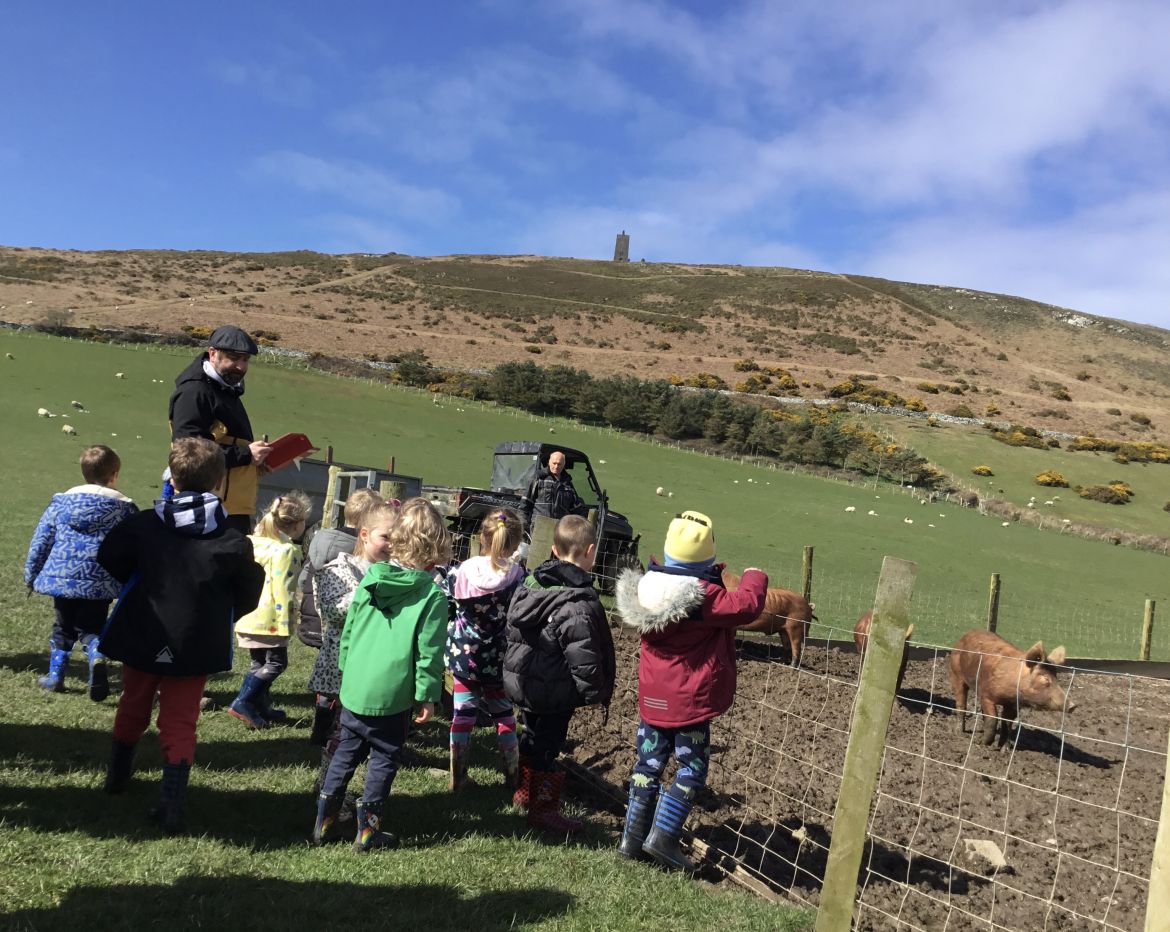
<point>391,659</point>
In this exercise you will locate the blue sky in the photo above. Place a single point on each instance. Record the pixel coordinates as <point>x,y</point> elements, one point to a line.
<point>1021,147</point>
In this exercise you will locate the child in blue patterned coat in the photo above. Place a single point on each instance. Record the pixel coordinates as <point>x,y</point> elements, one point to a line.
<point>62,563</point>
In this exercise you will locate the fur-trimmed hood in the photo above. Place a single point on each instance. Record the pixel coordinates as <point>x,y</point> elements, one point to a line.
<point>653,601</point>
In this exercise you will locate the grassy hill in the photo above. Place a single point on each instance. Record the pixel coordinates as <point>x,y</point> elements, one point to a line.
<point>1032,363</point>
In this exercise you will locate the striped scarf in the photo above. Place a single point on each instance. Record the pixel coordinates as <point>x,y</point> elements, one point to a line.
<point>192,514</point>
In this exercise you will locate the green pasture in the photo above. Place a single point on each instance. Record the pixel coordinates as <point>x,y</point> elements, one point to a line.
<point>74,857</point>
<point>1086,594</point>
<point>958,450</point>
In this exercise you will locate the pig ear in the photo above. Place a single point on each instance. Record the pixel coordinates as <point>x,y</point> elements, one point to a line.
<point>1035,654</point>
<point>1057,657</point>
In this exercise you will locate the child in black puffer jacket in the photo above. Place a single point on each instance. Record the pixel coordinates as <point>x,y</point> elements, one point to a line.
<point>560,657</point>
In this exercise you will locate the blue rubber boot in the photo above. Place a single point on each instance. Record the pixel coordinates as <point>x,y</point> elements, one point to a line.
<point>263,703</point>
<point>639,812</point>
<point>173,802</point>
<point>369,828</point>
<point>54,680</point>
<point>328,808</point>
<point>99,681</point>
<point>244,706</point>
<point>662,844</point>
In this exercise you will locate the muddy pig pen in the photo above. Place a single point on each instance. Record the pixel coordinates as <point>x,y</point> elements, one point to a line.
<point>1054,831</point>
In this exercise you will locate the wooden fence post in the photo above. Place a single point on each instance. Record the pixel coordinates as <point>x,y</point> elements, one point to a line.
<point>330,494</point>
<point>1158,904</point>
<point>806,564</point>
<point>993,604</point>
<point>867,742</point>
<point>540,548</point>
<point>1147,630</point>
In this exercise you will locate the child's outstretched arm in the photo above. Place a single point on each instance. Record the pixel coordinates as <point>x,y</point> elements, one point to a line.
<point>41,545</point>
<point>731,609</point>
<point>430,640</point>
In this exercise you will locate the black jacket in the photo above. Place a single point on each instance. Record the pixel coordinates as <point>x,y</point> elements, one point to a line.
<point>554,496</point>
<point>202,407</point>
<point>181,596</point>
<point>560,650</point>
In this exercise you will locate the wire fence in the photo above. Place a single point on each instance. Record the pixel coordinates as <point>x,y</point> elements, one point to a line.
<point>1053,830</point>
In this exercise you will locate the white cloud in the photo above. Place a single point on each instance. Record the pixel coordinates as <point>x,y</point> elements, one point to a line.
<point>274,83</point>
<point>359,184</point>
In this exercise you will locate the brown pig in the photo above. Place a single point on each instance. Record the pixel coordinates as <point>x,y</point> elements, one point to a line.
<point>1004,676</point>
<point>861,638</point>
<point>786,613</point>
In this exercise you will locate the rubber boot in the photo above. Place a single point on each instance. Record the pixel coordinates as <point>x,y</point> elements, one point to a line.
<point>120,768</point>
<point>460,761</point>
<point>523,785</point>
<point>54,680</point>
<point>544,803</point>
<point>327,809</point>
<point>639,812</point>
<point>263,704</point>
<point>369,828</point>
<point>173,803</point>
<point>99,681</point>
<point>662,844</point>
<point>510,764</point>
<point>324,712</point>
<point>244,707</point>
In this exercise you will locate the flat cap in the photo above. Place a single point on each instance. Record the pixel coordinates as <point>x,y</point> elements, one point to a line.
<point>231,338</point>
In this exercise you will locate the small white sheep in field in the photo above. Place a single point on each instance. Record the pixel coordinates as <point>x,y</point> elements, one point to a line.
<point>670,495</point>
<point>851,508</point>
<point>1006,524</point>
<point>78,405</point>
<point>1031,504</point>
<point>873,514</point>
<point>907,520</point>
<point>1050,503</point>
<point>43,412</point>
<point>69,429</point>
<point>602,462</point>
<point>1065,521</point>
<point>660,491</point>
<point>119,375</point>
<point>930,525</point>
<point>9,355</point>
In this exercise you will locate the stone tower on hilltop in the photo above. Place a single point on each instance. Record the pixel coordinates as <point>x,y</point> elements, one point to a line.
<point>621,248</point>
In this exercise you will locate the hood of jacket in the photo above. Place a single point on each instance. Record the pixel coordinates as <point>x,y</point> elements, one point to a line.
<point>390,585</point>
<point>196,373</point>
<point>92,509</point>
<point>654,600</point>
<point>552,583</point>
<point>478,576</point>
<point>192,514</point>
<point>265,548</point>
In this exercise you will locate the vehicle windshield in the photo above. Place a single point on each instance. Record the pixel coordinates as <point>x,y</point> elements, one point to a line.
<point>513,472</point>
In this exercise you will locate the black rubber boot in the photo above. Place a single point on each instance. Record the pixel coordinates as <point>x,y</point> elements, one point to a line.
<point>662,844</point>
<point>172,805</point>
<point>120,768</point>
<point>369,828</point>
<point>327,809</point>
<point>268,712</point>
<point>99,681</point>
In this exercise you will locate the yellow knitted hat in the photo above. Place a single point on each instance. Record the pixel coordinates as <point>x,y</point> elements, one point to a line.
<point>690,539</point>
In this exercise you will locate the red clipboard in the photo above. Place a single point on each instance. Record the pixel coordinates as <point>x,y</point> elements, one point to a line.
<point>288,447</point>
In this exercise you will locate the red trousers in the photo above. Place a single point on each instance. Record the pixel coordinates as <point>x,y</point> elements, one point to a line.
<point>178,711</point>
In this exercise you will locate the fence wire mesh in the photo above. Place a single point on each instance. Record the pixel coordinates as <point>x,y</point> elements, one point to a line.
<point>1053,830</point>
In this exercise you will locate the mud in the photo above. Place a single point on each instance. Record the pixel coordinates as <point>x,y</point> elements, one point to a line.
<point>1072,802</point>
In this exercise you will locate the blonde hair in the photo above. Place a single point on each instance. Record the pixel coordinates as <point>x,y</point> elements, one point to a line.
<point>284,514</point>
<point>376,513</point>
<point>358,503</point>
<point>572,537</point>
<point>99,464</point>
<point>499,536</point>
<point>419,539</point>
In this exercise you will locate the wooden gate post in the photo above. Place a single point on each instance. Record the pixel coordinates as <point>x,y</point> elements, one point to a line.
<point>993,604</point>
<point>867,742</point>
<point>1158,904</point>
<point>1147,630</point>
<point>540,548</point>
<point>330,496</point>
<point>807,563</point>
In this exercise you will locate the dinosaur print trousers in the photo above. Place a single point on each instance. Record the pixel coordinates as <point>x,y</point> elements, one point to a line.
<point>691,746</point>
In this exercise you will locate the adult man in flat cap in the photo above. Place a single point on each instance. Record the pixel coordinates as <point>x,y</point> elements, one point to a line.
<point>207,403</point>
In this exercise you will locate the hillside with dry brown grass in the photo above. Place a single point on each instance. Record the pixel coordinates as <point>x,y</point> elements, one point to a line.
<point>1008,358</point>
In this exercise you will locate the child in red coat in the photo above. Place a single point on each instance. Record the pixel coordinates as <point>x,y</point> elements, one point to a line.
<point>686,677</point>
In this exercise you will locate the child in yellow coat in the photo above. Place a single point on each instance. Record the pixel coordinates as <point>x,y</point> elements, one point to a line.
<point>265,632</point>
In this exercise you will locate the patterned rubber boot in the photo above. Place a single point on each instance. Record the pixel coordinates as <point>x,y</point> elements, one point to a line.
<point>173,803</point>
<point>120,768</point>
<point>523,785</point>
<point>327,809</point>
<point>244,706</point>
<point>369,828</point>
<point>639,812</point>
<point>99,681</point>
<point>662,844</point>
<point>510,764</point>
<point>54,680</point>
<point>544,804</point>
<point>460,762</point>
<point>263,704</point>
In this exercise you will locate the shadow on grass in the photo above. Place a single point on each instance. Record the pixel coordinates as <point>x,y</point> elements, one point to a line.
<point>248,902</point>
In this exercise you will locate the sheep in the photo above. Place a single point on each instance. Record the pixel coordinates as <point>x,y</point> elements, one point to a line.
<point>907,520</point>
<point>660,491</point>
<point>1050,503</point>
<point>872,513</point>
<point>119,375</point>
<point>552,430</point>
<point>850,509</point>
<point>78,405</point>
<point>9,355</point>
<point>1006,524</point>
<point>670,495</point>
<point>69,429</point>
<point>602,462</point>
<point>43,412</point>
